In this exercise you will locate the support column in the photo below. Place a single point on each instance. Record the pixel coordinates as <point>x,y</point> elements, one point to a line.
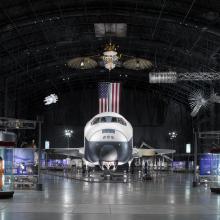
<point>6,98</point>
<point>39,184</point>
<point>195,183</point>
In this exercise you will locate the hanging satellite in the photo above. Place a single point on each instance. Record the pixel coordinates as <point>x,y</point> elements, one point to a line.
<point>52,98</point>
<point>137,64</point>
<point>214,98</point>
<point>109,59</point>
<point>82,63</point>
<point>198,100</point>
<point>110,56</point>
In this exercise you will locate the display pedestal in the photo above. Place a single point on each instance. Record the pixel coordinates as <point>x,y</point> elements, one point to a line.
<point>6,195</point>
<point>39,187</point>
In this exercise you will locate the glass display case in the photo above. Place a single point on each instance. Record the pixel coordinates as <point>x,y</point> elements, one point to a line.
<point>210,169</point>
<point>210,164</point>
<point>17,168</point>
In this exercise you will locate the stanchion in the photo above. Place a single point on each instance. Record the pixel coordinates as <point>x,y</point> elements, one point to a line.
<point>195,182</point>
<point>39,185</point>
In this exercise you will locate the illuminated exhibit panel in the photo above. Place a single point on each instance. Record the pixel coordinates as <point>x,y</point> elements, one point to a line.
<point>1,166</point>
<point>1,173</point>
<point>108,138</point>
<point>6,164</point>
<point>23,161</point>
<point>182,165</point>
<point>57,163</point>
<point>7,139</point>
<point>8,161</point>
<point>210,164</point>
<point>24,168</point>
<point>179,165</point>
<point>17,168</point>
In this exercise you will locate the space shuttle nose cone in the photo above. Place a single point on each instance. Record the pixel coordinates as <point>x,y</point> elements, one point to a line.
<point>108,153</point>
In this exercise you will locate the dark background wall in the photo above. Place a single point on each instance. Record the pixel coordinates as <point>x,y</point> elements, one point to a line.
<point>151,115</point>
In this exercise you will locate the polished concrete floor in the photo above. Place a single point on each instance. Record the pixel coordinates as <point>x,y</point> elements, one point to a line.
<point>166,197</point>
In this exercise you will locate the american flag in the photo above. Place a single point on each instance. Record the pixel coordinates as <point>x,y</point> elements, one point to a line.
<point>109,97</point>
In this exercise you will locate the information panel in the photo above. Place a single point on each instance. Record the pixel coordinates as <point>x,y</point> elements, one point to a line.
<point>179,165</point>
<point>23,161</point>
<point>210,164</point>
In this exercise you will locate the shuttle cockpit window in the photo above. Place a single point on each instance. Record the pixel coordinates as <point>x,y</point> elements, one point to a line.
<point>121,121</point>
<point>114,119</point>
<point>95,121</point>
<point>108,119</point>
<point>103,119</point>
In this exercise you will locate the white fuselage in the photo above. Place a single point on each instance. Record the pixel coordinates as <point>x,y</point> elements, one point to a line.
<point>108,137</point>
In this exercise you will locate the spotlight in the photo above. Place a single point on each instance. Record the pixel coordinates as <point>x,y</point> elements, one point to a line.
<point>172,134</point>
<point>68,133</point>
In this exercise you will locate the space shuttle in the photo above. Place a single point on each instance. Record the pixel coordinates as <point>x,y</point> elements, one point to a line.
<point>108,143</point>
<point>108,140</point>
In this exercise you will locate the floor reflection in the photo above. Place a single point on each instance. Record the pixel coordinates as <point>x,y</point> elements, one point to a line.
<point>168,196</point>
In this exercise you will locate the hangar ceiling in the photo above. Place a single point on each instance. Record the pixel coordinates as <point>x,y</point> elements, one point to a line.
<point>39,37</point>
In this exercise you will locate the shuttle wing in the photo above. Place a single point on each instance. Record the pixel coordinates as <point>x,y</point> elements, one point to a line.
<point>164,151</point>
<point>75,152</point>
<point>140,152</point>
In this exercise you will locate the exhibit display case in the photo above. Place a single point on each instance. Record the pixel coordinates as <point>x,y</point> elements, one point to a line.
<point>210,164</point>
<point>18,168</point>
<point>209,171</point>
<point>6,165</point>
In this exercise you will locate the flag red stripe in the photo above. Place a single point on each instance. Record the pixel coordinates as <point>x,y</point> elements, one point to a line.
<point>116,98</point>
<point>113,88</point>
<point>107,105</point>
<point>119,90</point>
<point>100,106</point>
